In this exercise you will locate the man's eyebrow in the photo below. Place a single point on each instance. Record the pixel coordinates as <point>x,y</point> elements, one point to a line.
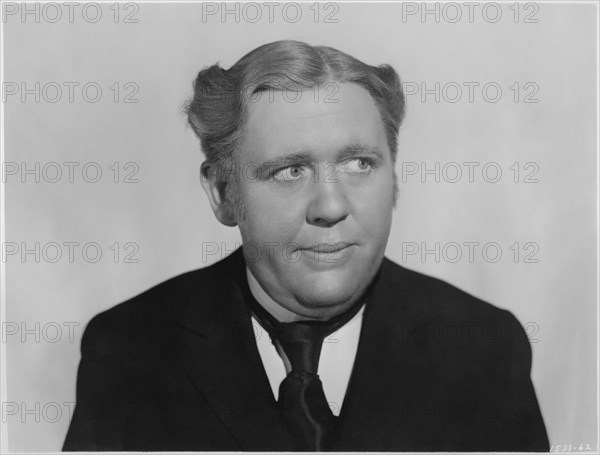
<point>355,149</point>
<point>265,168</point>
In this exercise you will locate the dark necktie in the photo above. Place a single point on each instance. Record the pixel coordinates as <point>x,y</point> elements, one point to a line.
<point>302,402</point>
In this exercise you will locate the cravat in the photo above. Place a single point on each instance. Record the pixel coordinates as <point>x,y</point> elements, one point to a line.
<point>302,402</point>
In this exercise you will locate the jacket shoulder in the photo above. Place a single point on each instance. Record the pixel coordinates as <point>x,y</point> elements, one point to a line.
<point>151,316</point>
<point>434,311</point>
<point>435,296</point>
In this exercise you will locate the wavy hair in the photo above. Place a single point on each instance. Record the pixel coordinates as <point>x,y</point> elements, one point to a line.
<point>218,108</point>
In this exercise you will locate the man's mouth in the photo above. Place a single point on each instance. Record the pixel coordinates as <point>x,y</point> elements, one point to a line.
<point>330,247</point>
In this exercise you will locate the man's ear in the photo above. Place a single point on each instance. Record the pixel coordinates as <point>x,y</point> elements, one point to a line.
<point>214,187</point>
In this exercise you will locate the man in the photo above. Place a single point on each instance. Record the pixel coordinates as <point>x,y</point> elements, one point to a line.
<point>361,354</point>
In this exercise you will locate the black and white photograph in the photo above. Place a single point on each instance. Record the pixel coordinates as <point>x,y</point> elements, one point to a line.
<point>299,227</point>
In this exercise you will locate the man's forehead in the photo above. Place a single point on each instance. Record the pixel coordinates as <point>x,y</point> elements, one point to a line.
<point>276,124</point>
<point>328,99</point>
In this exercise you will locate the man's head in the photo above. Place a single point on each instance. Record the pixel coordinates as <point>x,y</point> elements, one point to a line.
<point>301,144</point>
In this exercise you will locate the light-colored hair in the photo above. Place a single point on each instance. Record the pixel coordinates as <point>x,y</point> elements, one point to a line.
<point>218,108</point>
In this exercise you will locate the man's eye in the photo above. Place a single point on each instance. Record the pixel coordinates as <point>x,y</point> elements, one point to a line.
<point>358,165</point>
<point>289,174</point>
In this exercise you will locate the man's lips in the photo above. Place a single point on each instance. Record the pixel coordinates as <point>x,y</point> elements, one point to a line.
<point>330,247</point>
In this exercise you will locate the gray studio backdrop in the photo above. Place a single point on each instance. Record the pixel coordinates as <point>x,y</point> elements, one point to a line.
<point>497,169</point>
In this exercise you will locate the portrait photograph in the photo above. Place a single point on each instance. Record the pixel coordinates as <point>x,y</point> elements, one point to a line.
<point>299,227</point>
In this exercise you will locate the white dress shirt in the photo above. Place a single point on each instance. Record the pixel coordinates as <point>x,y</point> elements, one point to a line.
<point>337,354</point>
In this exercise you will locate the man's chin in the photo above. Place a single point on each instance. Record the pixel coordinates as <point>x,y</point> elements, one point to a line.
<point>327,293</point>
<point>325,302</point>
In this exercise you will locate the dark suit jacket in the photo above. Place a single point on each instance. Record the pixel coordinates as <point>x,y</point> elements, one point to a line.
<point>177,368</point>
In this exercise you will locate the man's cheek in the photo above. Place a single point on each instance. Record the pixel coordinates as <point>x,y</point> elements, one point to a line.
<point>374,211</point>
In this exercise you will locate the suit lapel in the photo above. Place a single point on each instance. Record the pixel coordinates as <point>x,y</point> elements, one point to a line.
<point>383,374</point>
<point>225,365</point>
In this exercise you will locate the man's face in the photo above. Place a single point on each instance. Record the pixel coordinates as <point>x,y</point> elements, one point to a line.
<point>317,185</point>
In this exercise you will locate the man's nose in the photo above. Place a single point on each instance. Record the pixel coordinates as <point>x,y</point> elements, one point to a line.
<point>328,205</point>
